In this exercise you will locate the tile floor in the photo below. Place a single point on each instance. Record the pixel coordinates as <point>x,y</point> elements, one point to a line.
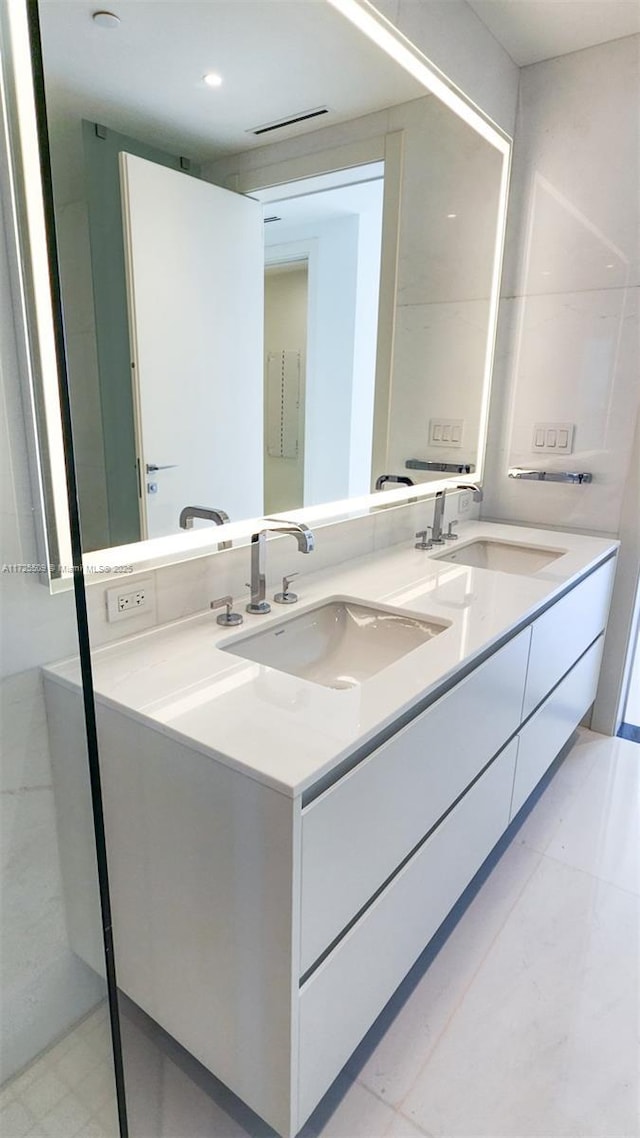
<point>68,1092</point>
<point>519,1021</point>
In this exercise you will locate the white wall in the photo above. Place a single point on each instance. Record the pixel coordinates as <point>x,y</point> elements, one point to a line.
<point>44,987</point>
<point>568,330</point>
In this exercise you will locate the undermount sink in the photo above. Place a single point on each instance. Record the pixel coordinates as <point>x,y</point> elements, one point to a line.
<point>338,643</point>
<point>506,556</point>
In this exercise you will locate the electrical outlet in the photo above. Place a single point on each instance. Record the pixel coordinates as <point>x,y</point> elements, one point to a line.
<point>464,502</point>
<point>126,601</point>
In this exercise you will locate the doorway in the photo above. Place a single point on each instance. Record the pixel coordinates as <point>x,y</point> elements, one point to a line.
<point>329,225</point>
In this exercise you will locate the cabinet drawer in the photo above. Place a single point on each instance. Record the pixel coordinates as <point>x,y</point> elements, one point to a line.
<point>348,990</point>
<point>564,631</point>
<point>357,833</point>
<point>548,730</point>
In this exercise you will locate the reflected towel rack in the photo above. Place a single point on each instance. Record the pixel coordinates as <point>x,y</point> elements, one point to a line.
<point>551,475</point>
<point>443,467</point>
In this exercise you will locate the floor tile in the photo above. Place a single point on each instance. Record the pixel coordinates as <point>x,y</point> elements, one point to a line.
<point>77,1063</point>
<point>45,1093</point>
<point>593,823</point>
<point>402,1127</point>
<point>97,1088</point>
<point>545,1042</point>
<point>93,1129</point>
<point>65,1119</point>
<point>15,1120</point>
<point>392,1054</point>
<point>349,1110</point>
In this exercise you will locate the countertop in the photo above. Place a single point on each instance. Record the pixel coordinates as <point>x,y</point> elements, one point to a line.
<point>288,732</point>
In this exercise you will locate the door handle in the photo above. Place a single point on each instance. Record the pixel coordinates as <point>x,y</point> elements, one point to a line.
<point>151,467</point>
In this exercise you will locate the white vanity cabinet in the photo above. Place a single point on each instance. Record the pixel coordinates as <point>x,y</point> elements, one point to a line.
<point>266,932</point>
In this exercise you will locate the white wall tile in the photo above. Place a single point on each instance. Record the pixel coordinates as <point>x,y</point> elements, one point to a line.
<point>447,169</point>
<point>45,988</point>
<point>570,341</point>
<point>576,172</point>
<point>23,733</point>
<point>439,352</point>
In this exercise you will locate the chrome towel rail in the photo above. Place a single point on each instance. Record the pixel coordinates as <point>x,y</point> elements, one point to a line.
<point>551,475</point>
<point>443,467</point>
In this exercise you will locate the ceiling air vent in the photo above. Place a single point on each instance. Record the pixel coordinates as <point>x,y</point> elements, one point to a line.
<point>272,218</point>
<point>279,124</point>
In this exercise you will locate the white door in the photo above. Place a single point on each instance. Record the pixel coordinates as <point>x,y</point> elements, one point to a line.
<point>195,268</point>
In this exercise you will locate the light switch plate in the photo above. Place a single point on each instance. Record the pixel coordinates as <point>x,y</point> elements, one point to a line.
<point>446,432</point>
<point>553,438</point>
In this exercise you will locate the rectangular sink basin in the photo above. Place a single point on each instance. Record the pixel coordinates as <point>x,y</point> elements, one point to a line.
<point>506,556</point>
<point>338,643</point>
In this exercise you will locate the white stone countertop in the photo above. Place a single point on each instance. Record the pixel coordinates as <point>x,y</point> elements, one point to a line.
<point>289,732</point>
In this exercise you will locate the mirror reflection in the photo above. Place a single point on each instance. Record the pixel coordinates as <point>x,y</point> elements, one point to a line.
<point>277,286</point>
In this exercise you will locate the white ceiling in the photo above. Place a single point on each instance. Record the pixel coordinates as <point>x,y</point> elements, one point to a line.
<point>533,30</point>
<point>277,58</point>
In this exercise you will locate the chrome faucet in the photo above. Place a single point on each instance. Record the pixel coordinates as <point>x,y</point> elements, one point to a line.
<point>190,512</point>
<point>438,516</point>
<point>211,514</point>
<point>473,486</point>
<point>306,544</point>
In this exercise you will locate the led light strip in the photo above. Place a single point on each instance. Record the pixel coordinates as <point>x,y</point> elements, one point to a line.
<point>378,29</point>
<point>34,267</point>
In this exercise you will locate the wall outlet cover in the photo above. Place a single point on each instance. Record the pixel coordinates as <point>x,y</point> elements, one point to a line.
<point>129,599</point>
<point>464,502</point>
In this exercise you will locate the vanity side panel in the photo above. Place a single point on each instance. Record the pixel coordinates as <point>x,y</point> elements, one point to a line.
<point>200,862</point>
<point>343,997</point>
<point>565,631</point>
<point>357,832</point>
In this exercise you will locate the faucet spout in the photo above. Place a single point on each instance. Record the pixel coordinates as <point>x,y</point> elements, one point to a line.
<point>473,486</point>
<point>212,514</point>
<point>306,544</point>
<point>438,517</point>
<point>303,535</point>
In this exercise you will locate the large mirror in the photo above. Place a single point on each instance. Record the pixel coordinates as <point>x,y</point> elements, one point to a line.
<point>279,256</point>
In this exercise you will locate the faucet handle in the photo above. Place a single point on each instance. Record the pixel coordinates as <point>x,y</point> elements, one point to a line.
<point>423,541</point>
<point>226,618</point>
<point>286,597</point>
<point>450,535</point>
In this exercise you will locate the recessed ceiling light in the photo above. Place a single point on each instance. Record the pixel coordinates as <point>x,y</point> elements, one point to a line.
<point>452,215</point>
<point>106,19</point>
<point>213,80</point>
<point>610,266</point>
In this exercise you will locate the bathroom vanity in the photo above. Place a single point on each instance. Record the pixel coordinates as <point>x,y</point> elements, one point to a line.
<point>281,850</point>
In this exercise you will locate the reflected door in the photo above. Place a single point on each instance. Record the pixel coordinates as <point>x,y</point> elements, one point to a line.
<point>194,256</point>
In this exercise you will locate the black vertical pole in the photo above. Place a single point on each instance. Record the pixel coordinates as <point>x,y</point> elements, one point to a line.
<point>76,548</point>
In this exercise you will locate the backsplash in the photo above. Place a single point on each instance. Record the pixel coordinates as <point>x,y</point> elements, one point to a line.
<point>189,586</point>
